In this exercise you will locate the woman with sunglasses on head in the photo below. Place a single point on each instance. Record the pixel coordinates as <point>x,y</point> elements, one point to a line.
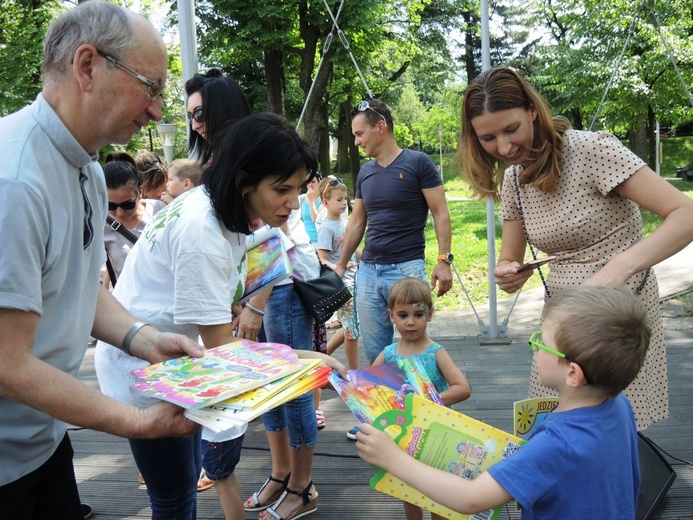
<point>576,195</point>
<point>126,207</point>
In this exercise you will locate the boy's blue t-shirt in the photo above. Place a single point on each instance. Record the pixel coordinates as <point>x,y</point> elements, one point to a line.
<point>581,463</point>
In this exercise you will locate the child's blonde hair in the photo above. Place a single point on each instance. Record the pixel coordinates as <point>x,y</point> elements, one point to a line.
<point>330,183</point>
<point>187,169</point>
<point>602,329</point>
<point>411,291</point>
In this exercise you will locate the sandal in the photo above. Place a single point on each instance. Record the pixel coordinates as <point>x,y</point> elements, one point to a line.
<point>257,505</point>
<point>204,483</point>
<point>320,418</point>
<point>310,505</point>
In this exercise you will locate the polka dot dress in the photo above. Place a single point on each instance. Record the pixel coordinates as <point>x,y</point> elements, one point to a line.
<point>585,223</point>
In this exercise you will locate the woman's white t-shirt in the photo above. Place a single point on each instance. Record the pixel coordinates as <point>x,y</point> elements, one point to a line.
<point>186,270</point>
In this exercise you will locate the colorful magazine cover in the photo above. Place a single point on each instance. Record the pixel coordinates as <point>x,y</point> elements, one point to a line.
<point>528,414</point>
<point>224,372</point>
<point>373,390</point>
<point>219,417</point>
<point>445,439</point>
<point>268,262</point>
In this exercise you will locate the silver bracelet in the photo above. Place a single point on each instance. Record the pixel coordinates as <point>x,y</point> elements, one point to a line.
<point>130,335</point>
<point>255,310</point>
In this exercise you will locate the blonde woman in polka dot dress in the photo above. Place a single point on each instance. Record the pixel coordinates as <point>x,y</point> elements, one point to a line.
<point>576,195</point>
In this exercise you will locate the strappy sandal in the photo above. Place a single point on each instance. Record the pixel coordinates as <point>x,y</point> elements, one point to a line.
<point>257,505</point>
<point>310,505</point>
<point>320,418</point>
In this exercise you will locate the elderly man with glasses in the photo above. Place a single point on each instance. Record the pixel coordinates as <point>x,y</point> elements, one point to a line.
<point>104,69</point>
<point>394,193</point>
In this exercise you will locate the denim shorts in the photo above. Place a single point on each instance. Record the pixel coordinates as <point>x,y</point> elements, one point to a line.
<point>288,321</point>
<point>219,459</point>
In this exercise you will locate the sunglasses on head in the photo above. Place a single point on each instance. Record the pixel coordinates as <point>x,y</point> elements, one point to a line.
<point>333,183</point>
<point>364,105</point>
<point>198,115</point>
<point>126,206</point>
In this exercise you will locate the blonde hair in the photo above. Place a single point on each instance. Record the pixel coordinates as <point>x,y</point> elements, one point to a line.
<point>499,89</point>
<point>604,330</point>
<point>328,185</point>
<point>410,291</point>
<point>187,169</point>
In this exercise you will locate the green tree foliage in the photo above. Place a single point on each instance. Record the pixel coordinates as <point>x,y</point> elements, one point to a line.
<point>23,24</point>
<point>587,37</point>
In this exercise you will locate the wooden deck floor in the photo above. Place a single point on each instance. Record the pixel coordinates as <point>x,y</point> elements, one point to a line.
<point>498,374</point>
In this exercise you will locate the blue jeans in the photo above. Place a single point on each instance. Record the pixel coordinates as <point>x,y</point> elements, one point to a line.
<point>171,468</point>
<point>288,321</point>
<point>219,459</point>
<point>373,284</point>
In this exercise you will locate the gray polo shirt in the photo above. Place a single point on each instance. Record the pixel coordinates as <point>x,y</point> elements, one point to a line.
<point>52,208</point>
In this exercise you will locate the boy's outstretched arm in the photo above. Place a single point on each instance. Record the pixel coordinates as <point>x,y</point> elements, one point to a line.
<point>459,494</point>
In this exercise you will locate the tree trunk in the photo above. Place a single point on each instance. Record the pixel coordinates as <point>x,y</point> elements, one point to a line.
<point>651,141</point>
<point>274,72</point>
<point>343,133</point>
<point>637,139</point>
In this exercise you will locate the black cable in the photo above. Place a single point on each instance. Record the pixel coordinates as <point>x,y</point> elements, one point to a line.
<point>666,452</point>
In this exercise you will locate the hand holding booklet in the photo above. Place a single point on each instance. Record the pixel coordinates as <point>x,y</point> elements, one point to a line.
<point>248,377</point>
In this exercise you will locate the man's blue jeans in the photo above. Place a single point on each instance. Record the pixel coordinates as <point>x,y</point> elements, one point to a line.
<point>373,284</point>
<point>171,468</point>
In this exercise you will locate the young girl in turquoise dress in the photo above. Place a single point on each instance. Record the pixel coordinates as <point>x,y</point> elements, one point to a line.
<point>411,308</point>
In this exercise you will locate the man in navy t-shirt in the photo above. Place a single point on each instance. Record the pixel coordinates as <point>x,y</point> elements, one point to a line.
<point>394,193</point>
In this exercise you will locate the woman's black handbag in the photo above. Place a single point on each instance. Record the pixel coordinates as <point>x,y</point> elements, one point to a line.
<point>323,295</point>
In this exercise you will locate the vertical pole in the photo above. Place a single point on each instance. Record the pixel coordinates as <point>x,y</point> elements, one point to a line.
<point>440,145</point>
<point>490,206</point>
<point>188,43</point>
<point>658,151</point>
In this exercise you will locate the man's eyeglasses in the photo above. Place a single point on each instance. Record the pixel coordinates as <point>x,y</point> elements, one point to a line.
<point>154,88</point>
<point>198,115</point>
<point>364,105</point>
<point>333,183</point>
<point>536,344</point>
<point>126,206</point>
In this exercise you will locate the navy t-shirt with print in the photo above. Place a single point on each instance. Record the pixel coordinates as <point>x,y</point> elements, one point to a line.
<point>396,207</point>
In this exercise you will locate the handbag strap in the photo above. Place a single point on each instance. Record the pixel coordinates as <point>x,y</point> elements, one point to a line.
<point>111,271</point>
<point>524,230</point>
<point>117,226</point>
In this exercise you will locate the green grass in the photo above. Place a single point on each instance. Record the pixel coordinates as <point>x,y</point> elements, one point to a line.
<point>676,151</point>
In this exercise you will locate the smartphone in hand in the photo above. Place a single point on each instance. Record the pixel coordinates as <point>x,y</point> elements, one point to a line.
<point>533,264</point>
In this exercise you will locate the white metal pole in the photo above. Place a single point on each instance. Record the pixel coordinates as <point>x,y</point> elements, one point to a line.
<point>490,206</point>
<point>658,156</point>
<point>188,44</point>
<point>440,145</point>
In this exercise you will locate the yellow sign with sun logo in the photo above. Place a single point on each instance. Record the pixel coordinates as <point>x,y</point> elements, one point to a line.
<point>530,413</point>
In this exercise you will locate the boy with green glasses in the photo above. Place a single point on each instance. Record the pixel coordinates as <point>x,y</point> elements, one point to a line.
<point>587,447</point>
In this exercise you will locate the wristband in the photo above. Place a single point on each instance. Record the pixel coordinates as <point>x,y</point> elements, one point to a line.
<point>130,335</point>
<point>254,310</point>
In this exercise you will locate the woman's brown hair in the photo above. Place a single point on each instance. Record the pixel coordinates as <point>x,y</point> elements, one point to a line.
<point>499,89</point>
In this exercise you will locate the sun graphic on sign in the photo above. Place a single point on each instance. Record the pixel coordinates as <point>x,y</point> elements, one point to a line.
<point>525,418</point>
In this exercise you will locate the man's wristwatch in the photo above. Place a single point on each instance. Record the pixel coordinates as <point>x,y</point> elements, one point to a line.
<point>447,258</point>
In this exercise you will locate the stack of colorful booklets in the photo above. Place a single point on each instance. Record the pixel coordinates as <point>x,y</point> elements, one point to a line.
<point>233,384</point>
<point>436,435</point>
